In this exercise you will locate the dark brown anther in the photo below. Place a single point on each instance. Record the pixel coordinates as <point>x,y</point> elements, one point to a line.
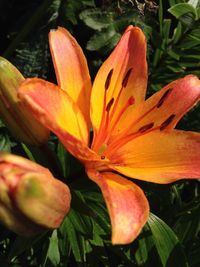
<point>126,77</point>
<point>109,105</point>
<point>146,127</point>
<point>108,79</point>
<point>167,122</point>
<point>103,157</point>
<point>163,98</point>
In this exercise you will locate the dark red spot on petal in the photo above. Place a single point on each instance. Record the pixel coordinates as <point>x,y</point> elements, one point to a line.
<point>164,97</point>
<point>167,122</point>
<point>131,100</point>
<point>103,157</point>
<point>126,77</point>
<point>109,105</point>
<point>108,79</point>
<point>146,127</point>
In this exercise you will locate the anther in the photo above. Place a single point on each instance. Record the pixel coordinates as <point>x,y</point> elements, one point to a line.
<point>109,105</point>
<point>131,100</point>
<point>108,79</point>
<point>163,98</point>
<point>103,157</point>
<point>146,127</point>
<point>167,122</point>
<point>126,77</point>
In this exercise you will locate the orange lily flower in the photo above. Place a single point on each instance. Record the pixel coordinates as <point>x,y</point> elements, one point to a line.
<point>132,137</point>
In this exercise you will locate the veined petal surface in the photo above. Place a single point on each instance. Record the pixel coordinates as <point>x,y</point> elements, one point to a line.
<point>159,156</point>
<point>121,77</point>
<point>71,68</point>
<point>163,109</point>
<point>57,111</point>
<point>127,205</point>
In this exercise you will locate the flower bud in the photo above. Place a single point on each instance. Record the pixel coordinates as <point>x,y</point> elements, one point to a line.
<point>14,114</point>
<point>31,199</point>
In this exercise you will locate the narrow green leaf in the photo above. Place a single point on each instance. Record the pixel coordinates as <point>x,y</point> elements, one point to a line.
<point>167,243</point>
<point>178,31</point>
<point>160,16</point>
<point>182,9</point>
<point>5,144</point>
<point>73,237</point>
<point>53,254</point>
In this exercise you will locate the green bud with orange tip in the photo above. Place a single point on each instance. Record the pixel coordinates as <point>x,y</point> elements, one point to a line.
<point>14,114</point>
<point>31,199</point>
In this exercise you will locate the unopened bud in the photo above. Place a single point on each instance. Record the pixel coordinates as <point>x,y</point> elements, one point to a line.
<point>31,199</point>
<point>17,118</point>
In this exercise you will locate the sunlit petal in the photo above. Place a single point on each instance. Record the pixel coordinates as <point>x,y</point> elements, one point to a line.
<point>71,68</point>
<point>127,205</point>
<point>159,156</point>
<point>55,110</point>
<point>122,76</point>
<point>164,109</point>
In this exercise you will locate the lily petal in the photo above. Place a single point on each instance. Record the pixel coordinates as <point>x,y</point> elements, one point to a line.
<point>71,68</point>
<point>121,77</point>
<point>57,111</point>
<point>164,109</point>
<point>159,156</point>
<point>126,203</point>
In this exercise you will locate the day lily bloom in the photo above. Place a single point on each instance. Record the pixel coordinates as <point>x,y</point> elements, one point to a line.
<point>31,199</point>
<point>131,137</point>
<point>19,121</point>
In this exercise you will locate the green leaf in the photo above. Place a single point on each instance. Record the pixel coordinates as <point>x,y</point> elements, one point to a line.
<point>167,244</point>
<point>194,3</point>
<point>178,31</point>
<point>53,254</point>
<point>64,158</point>
<point>96,18</point>
<point>106,40</point>
<point>73,237</point>
<point>82,224</point>
<point>5,143</point>
<point>71,9</point>
<point>182,9</point>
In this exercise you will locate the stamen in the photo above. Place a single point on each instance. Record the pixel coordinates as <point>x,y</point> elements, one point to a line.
<point>126,77</point>
<point>163,98</point>
<point>125,139</point>
<point>108,79</point>
<point>167,122</point>
<point>129,102</point>
<point>109,105</point>
<point>146,127</point>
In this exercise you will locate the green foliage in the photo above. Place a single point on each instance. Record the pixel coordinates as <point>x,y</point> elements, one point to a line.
<point>172,236</point>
